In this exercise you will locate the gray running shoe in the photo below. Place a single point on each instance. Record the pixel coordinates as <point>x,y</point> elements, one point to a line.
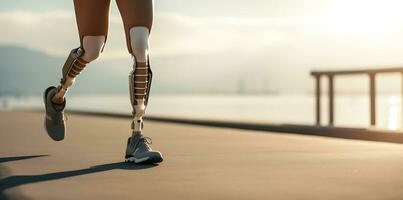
<point>54,118</point>
<point>139,151</point>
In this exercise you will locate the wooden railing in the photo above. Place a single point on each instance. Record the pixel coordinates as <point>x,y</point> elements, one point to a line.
<point>331,74</point>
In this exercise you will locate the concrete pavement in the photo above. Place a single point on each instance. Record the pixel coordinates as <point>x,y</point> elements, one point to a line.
<point>200,163</point>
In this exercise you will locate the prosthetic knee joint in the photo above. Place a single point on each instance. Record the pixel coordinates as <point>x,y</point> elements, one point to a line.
<point>76,62</point>
<point>140,77</point>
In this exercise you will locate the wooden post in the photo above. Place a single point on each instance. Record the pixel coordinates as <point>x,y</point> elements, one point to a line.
<point>317,94</point>
<point>372,98</point>
<point>331,100</point>
<point>401,100</point>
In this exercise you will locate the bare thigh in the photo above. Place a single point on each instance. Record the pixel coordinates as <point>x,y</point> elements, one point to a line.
<point>135,13</point>
<point>92,17</point>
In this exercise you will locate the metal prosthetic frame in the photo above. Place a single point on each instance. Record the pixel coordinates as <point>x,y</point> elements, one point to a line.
<point>76,62</point>
<point>71,68</point>
<point>140,84</point>
<point>140,77</point>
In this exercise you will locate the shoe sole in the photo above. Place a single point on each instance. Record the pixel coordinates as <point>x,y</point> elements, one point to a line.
<point>146,160</point>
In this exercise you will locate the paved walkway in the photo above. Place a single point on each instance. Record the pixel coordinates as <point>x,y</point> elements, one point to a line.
<point>200,163</point>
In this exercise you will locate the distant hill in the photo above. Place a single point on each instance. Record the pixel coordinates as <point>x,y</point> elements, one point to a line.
<point>28,72</point>
<point>24,71</point>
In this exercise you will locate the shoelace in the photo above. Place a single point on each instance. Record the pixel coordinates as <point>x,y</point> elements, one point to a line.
<point>57,119</point>
<point>147,141</point>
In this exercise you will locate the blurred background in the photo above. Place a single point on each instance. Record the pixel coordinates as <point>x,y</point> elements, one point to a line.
<point>227,59</point>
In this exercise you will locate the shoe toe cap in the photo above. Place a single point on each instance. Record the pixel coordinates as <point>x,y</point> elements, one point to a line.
<point>156,156</point>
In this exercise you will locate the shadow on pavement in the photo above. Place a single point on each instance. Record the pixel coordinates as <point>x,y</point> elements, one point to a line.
<point>15,158</point>
<point>14,181</point>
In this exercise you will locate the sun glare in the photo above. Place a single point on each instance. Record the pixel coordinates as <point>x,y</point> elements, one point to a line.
<point>363,16</point>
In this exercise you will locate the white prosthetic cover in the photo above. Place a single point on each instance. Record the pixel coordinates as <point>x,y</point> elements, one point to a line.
<point>139,77</point>
<point>92,46</point>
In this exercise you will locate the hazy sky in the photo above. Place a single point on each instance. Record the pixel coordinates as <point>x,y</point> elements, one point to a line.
<point>204,26</point>
<point>280,38</point>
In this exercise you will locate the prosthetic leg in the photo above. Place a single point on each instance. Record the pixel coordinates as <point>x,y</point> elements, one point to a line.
<point>54,98</point>
<point>140,83</point>
<point>76,62</point>
<point>140,78</point>
<point>71,68</point>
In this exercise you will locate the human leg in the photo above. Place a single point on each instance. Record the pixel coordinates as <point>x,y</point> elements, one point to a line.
<point>92,22</point>
<point>137,18</point>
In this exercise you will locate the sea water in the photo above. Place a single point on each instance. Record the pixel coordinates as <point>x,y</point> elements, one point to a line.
<point>350,110</point>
